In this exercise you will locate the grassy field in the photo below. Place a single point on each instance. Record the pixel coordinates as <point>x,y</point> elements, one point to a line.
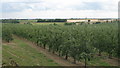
<point>98,61</point>
<point>26,21</point>
<point>34,22</point>
<point>24,55</point>
<point>52,23</point>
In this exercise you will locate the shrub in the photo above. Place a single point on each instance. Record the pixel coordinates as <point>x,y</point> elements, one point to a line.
<point>69,23</point>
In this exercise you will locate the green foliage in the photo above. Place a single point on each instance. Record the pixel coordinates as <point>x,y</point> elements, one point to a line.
<point>97,22</point>
<point>51,20</point>
<point>69,23</point>
<point>72,41</point>
<point>10,21</point>
<point>6,34</point>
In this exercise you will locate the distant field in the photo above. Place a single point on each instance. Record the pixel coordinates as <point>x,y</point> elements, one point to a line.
<point>49,23</point>
<point>26,21</point>
<point>24,55</point>
<point>34,22</point>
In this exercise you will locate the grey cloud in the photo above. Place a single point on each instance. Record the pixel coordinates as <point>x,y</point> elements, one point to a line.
<point>14,7</point>
<point>88,6</point>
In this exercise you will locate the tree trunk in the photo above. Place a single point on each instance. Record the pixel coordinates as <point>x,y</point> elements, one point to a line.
<point>53,51</point>
<point>57,49</point>
<point>66,57</point>
<point>85,63</point>
<point>44,46</point>
<point>59,53</point>
<point>74,61</point>
<point>8,41</point>
<point>37,43</point>
<point>110,56</point>
<point>49,49</point>
<point>99,53</point>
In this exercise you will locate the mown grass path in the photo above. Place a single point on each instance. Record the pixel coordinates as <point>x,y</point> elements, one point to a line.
<point>24,55</point>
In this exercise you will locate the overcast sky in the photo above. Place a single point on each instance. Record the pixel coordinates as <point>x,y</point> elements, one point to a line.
<point>59,8</point>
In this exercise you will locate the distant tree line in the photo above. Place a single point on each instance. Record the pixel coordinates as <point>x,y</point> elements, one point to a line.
<point>51,20</point>
<point>10,21</point>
